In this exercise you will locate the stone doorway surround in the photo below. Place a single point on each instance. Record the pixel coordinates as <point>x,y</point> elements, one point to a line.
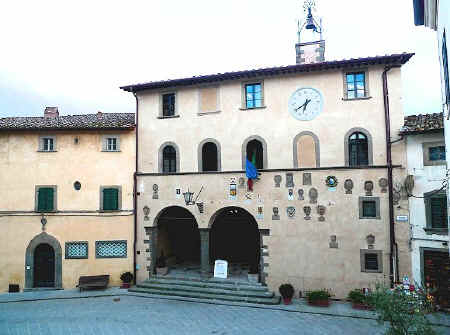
<point>42,238</point>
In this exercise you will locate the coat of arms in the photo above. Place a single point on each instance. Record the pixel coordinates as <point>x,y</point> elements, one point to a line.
<point>290,211</point>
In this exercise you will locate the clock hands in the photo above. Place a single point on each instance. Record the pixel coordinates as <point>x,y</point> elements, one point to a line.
<point>304,105</point>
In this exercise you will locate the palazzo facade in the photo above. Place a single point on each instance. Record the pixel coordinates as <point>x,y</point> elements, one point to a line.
<point>322,213</point>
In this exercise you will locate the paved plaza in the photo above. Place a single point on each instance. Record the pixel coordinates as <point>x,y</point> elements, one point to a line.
<point>128,314</point>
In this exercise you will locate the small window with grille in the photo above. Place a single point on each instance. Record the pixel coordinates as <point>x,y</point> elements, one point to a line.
<point>47,143</point>
<point>111,249</point>
<point>111,143</point>
<point>371,261</point>
<point>76,250</point>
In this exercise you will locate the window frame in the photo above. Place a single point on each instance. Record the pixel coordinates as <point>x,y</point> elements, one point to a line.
<point>36,196</point>
<point>369,145</point>
<point>429,229</point>
<point>66,245</point>
<point>105,139</point>
<point>244,151</point>
<point>161,157</point>
<point>361,201</point>
<point>378,253</point>
<point>426,153</point>
<point>106,241</point>
<point>200,154</point>
<point>41,146</point>
<point>161,105</point>
<point>346,72</point>
<point>244,85</point>
<point>119,198</point>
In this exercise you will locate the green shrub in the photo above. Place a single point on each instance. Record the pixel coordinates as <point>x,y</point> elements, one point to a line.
<point>356,296</point>
<point>126,277</point>
<point>317,295</point>
<point>286,291</point>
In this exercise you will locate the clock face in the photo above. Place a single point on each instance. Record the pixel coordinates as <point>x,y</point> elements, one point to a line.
<point>305,103</point>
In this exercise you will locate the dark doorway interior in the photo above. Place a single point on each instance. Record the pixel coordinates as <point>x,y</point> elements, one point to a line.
<point>44,266</point>
<point>255,149</point>
<point>437,275</point>
<point>178,237</point>
<point>209,157</point>
<point>235,238</point>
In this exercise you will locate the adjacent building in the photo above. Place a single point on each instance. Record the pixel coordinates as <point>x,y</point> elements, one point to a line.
<point>66,204</point>
<point>428,203</point>
<point>323,136</point>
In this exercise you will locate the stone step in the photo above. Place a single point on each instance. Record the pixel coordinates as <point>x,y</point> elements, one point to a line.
<point>226,297</point>
<point>231,291</point>
<point>207,280</point>
<point>207,284</point>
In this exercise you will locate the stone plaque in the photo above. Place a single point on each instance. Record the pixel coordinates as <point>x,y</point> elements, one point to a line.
<point>307,211</point>
<point>321,211</point>
<point>155,192</point>
<point>220,269</point>
<point>313,195</point>
<point>241,182</point>
<point>383,183</point>
<point>307,179</point>
<point>348,185</point>
<point>300,194</point>
<point>290,194</point>
<point>333,242</point>
<point>289,180</point>
<point>368,187</point>
<point>277,180</point>
<point>290,212</point>
<point>275,215</point>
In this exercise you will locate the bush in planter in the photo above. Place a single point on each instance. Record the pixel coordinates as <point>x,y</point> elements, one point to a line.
<point>287,292</point>
<point>126,277</point>
<point>358,299</point>
<point>404,309</point>
<point>318,297</point>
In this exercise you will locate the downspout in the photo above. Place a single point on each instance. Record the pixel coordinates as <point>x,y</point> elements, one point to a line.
<point>393,244</point>
<point>135,189</point>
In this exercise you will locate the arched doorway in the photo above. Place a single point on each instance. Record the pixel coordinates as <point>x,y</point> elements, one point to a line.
<point>44,266</point>
<point>235,237</point>
<point>178,238</point>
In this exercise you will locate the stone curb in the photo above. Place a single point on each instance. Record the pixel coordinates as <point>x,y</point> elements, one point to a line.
<point>292,309</point>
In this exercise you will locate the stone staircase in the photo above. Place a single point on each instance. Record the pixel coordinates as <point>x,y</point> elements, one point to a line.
<point>214,289</point>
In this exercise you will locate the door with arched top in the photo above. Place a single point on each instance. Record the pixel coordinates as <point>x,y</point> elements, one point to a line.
<point>44,266</point>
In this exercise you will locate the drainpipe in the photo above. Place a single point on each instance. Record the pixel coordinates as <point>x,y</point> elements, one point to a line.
<point>135,190</point>
<point>393,275</point>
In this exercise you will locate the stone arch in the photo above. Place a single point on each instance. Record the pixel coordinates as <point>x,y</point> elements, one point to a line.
<point>160,155</point>
<point>316,153</point>
<point>244,150</point>
<point>369,144</point>
<point>42,238</point>
<point>200,153</point>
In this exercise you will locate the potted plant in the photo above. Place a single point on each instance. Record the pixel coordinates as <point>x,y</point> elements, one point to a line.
<point>286,292</point>
<point>318,298</point>
<point>126,278</point>
<point>253,276</point>
<point>358,299</point>
<point>161,266</point>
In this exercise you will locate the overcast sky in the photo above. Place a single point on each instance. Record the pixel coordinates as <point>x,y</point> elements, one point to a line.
<point>76,54</point>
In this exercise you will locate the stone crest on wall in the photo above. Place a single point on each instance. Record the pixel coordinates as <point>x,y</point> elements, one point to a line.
<point>290,212</point>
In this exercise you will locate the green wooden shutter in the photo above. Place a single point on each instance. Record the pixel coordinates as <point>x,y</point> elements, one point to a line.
<point>438,212</point>
<point>110,199</point>
<point>45,199</point>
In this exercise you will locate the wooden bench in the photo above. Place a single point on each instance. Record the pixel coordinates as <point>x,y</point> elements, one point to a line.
<point>93,282</point>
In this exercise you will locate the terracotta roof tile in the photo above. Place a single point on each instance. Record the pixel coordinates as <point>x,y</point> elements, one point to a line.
<point>422,123</point>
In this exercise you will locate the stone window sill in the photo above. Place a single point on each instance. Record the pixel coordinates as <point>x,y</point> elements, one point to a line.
<point>207,113</point>
<point>360,98</point>
<point>244,109</point>
<point>168,117</point>
<point>111,151</point>
<point>436,231</point>
<point>109,210</point>
<point>47,151</point>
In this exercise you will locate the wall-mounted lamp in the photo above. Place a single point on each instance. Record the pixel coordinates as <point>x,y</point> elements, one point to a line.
<point>43,222</point>
<point>188,197</point>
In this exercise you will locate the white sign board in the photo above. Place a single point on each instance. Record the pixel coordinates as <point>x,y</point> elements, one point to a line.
<point>220,269</point>
<point>402,218</point>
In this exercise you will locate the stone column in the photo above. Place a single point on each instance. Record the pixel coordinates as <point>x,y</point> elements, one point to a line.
<point>204,252</point>
<point>152,233</point>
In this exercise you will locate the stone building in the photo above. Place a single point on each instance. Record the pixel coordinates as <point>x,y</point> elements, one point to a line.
<point>319,216</point>
<point>428,203</point>
<point>66,198</point>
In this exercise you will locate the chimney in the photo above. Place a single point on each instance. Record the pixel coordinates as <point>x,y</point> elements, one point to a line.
<point>51,112</point>
<point>310,52</point>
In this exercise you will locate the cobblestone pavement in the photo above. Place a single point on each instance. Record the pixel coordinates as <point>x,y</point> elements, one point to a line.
<point>136,315</point>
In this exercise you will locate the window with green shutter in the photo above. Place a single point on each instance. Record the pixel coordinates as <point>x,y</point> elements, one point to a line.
<point>45,199</point>
<point>438,212</point>
<point>110,199</point>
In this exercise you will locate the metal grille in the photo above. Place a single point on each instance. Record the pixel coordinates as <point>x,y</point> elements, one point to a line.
<point>76,250</point>
<point>371,262</point>
<point>111,248</point>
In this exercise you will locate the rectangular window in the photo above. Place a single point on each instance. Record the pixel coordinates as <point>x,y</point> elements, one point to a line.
<point>110,199</point>
<point>436,153</point>
<point>438,212</point>
<point>45,199</point>
<point>253,95</point>
<point>168,104</point>
<point>355,85</point>
<point>371,260</point>
<point>76,250</point>
<point>112,144</point>
<point>111,249</point>
<point>47,143</point>
<point>369,209</point>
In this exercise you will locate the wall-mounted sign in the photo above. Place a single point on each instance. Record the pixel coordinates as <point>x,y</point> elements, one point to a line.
<point>178,193</point>
<point>260,213</point>
<point>401,218</point>
<point>220,269</point>
<point>233,190</point>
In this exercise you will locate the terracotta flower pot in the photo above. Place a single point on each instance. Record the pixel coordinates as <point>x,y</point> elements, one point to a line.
<point>287,301</point>
<point>360,305</point>
<point>125,285</point>
<point>319,303</point>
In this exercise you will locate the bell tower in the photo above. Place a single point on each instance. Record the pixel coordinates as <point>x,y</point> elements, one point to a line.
<point>310,47</point>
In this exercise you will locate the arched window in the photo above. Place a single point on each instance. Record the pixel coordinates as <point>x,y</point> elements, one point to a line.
<point>358,149</point>
<point>209,157</point>
<point>255,153</point>
<point>169,159</point>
